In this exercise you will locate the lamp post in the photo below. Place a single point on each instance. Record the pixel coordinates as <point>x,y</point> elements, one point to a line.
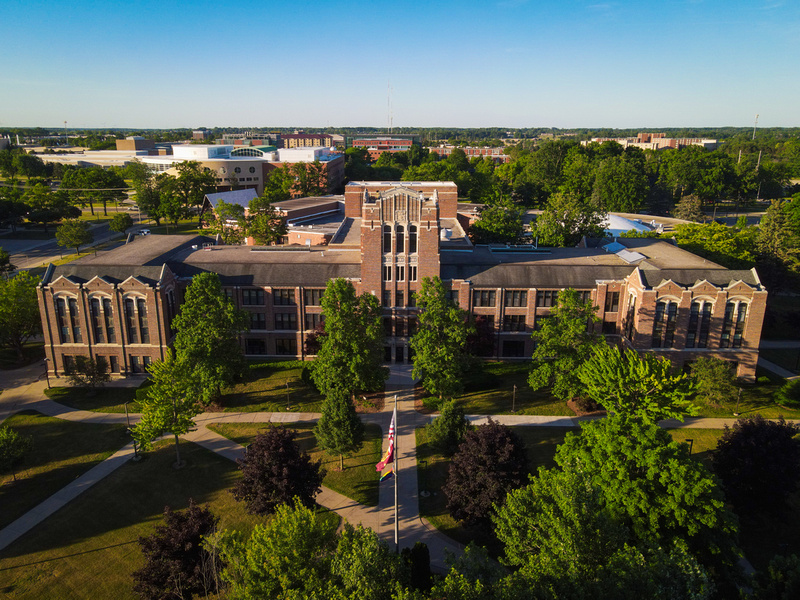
<point>47,371</point>
<point>136,456</point>
<point>514,400</point>
<point>691,444</point>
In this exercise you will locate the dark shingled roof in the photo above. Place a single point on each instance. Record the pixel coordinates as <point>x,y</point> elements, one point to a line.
<point>532,274</point>
<point>111,273</point>
<point>307,274</point>
<point>689,277</point>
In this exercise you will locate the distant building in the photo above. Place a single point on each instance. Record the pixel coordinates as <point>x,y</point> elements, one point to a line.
<point>306,140</point>
<point>656,141</point>
<point>135,143</point>
<point>498,155</point>
<point>378,144</point>
<point>386,237</point>
<point>201,134</point>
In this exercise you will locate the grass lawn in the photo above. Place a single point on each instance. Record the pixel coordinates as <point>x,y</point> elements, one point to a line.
<point>105,399</point>
<point>62,451</point>
<point>489,390</point>
<point>88,549</point>
<point>31,351</point>
<point>264,390</point>
<point>756,398</point>
<point>185,226</point>
<point>358,481</point>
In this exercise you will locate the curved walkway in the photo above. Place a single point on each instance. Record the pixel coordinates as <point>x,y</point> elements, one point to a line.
<point>24,391</point>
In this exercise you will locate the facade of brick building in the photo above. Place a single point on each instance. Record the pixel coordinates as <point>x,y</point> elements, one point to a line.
<point>650,294</point>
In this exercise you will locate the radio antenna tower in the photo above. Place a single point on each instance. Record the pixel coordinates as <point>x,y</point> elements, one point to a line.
<point>754,128</point>
<point>389,115</point>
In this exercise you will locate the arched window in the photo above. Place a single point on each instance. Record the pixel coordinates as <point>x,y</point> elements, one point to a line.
<point>387,238</point>
<point>733,324</point>
<point>412,238</point>
<point>699,323</point>
<point>400,238</point>
<point>664,324</point>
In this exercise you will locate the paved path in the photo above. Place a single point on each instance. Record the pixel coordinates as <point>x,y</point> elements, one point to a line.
<point>24,390</point>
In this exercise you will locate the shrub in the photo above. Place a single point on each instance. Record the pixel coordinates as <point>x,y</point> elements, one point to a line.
<point>789,394</point>
<point>447,431</point>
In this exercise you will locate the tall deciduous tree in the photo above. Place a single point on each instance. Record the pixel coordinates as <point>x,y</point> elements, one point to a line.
<point>714,378</point>
<point>339,429</point>
<point>489,463</point>
<point>170,404</point>
<point>652,486</point>
<point>228,222</point>
<point>563,342</point>
<point>499,222</point>
<point>439,345</point>
<point>447,431</point>
<point>19,311</point>
<point>177,564</point>
<point>758,462</point>
<point>640,386</point>
<point>193,183</point>
<point>5,262</point>
<point>264,223</point>
<point>350,357</point>
<point>47,206</point>
<point>620,185</point>
<point>207,329</point>
<point>275,470</point>
<point>74,233</point>
<point>565,219</point>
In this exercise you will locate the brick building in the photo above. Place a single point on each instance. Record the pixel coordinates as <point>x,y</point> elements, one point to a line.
<point>387,236</point>
<point>306,140</point>
<point>498,155</point>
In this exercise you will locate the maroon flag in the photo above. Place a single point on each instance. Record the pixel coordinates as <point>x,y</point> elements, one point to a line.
<point>389,456</point>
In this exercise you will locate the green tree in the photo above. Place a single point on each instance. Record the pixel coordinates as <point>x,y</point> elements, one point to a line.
<point>19,311</point>
<point>146,185</point>
<point>566,219</point>
<point>171,402</point>
<point>265,224</point>
<point>278,186</point>
<point>447,431</point>
<point>13,448</point>
<point>74,233</point>
<point>488,464</point>
<point>207,329</point>
<point>639,386</point>
<point>89,372</point>
<point>228,222</point>
<point>121,223</point>
<point>5,262</point>
<point>564,342</point>
<point>351,354</point>
<point>500,222</point>
<point>440,357</point>
<point>47,206</point>
<point>714,378</point>
<point>689,208</point>
<point>339,429</point>
<point>287,557</point>
<point>275,470</point>
<point>620,185</point>
<point>652,486</point>
<point>192,183</point>
<point>779,233</point>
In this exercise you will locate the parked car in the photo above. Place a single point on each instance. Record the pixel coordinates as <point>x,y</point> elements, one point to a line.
<point>144,232</point>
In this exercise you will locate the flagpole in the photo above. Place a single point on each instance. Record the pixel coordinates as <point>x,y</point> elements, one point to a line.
<point>396,477</point>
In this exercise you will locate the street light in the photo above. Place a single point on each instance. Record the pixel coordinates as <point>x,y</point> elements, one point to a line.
<point>47,371</point>
<point>136,456</point>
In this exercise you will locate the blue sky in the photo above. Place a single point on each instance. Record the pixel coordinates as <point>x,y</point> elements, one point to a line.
<point>506,63</point>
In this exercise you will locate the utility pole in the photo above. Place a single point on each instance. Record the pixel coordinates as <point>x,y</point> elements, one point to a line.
<point>754,127</point>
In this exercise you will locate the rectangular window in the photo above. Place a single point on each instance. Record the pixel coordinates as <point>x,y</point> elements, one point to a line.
<point>399,298</point>
<point>97,321</point>
<point>73,321</point>
<point>136,364</point>
<point>514,323</point>
<point>258,320</point>
<point>484,297</point>
<point>516,298</point>
<point>546,298</point>
<point>630,317</point>
<point>314,320</point>
<point>252,297</point>
<point>285,321</point>
<point>286,346</point>
<point>400,271</point>
<point>387,272</point>
<point>144,329</point>
<point>283,297</point>
<point>113,363</point>
<point>664,324</point>
<point>399,327</point>
<point>610,327</point>
<point>387,326</point>
<point>108,320</point>
<point>69,363</point>
<point>313,297</point>
<point>412,272</point>
<point>412,325</point>
<point>61,318</point>
<point>452,296</point>
<point>228,293</point>
<point>412,299</point>
<point>130,322</point>
<point>387,298</point>
<point>612,301</point>
<point>513,349</point>
<point>254,346</point>
<point>585,295</point>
